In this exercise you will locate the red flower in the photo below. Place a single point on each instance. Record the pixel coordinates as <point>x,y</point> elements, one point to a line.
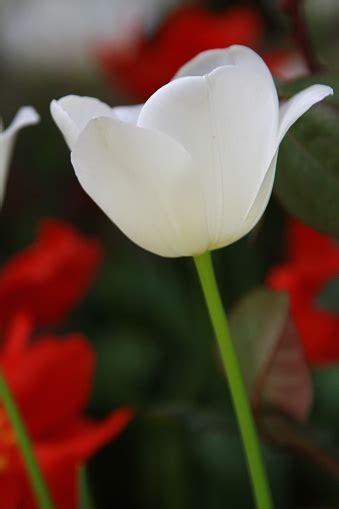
<point>313,262</point>
<point>51,382</point>
<point>145,64</point>
<point>48,278</point>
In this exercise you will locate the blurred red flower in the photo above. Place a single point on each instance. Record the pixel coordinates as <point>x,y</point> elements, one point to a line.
<point>51,381</point>
<point>47,279</point>
<point>144,64</point>
<point>313,262</point>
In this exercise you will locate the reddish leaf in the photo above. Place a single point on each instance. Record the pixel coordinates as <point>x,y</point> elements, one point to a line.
<point>271,354</point>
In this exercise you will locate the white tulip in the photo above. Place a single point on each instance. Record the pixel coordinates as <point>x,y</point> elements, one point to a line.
<point>25,116</point>
<point>192,169</point>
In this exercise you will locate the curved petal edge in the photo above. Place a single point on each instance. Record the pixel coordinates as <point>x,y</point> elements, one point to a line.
<point>295,107</point>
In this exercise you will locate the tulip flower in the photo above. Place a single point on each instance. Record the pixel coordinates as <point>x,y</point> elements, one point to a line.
<point>44,437</point>
<point>25,116</point>
<point>192,169</point>
<point>39,375</point>
<point>47,279</point>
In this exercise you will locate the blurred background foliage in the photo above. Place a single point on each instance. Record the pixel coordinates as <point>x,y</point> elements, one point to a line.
<point>145,315</point>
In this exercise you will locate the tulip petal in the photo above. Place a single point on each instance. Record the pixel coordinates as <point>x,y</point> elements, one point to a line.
<point>72,113</point>
<point>262,199</point>
<point>25,116</point>
<point>146,183</point>
<point>60,472</point>
<point>228,122</point>
<point>292,109</point>
<point>48,370</point>
<point>10,488</point>
<point>259,205</point>
<point>82,437</point>
<point>206,61</point>
<point>58,267</point>
<point>129,114</point>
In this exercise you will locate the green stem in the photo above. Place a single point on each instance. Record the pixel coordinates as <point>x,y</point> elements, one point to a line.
<point>86,500</point>
<point>37,482</point>
<point>238,392</point>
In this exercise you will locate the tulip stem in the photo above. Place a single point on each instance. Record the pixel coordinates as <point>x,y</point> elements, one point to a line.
<point>38,484</point>
<point>234,377</point>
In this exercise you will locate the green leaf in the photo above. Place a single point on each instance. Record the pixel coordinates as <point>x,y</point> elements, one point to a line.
<point>270,354</point>
<point>307,182</point>
<point>328,298</point>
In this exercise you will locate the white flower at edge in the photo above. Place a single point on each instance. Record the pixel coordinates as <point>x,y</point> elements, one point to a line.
<point>25,116</point>
<point>193,168</point>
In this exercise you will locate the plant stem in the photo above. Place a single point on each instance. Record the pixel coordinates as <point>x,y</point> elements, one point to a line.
<point>234,377</point>
<point>86,500</point>
<point>33,470</point>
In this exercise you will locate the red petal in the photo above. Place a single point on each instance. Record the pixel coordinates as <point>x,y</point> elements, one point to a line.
<point>304,242</point>
<point>51,382</point>
<point>83,437</point>
<point>61,475</point>
<point>48,278</point>
<point>9,490</point>
<point>60,459</point>
<point>314,261</point>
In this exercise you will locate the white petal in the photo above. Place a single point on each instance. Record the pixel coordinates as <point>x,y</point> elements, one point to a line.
<point>262,199</point>
<point>146,183</point>
<point>25,116</point>
<point>206,61</point>
<point>292,109</point>
<point>258,207</point>
<point>129,114</point>
<point>228,122</point>
<point>72,113</point>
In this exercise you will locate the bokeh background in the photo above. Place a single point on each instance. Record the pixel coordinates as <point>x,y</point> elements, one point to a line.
<point>144,315</point>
